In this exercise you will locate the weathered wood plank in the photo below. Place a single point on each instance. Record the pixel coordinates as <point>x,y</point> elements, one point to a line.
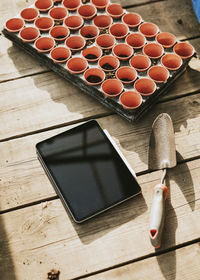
<point>180,264</point>
<point>43,237</point>
<point>129,3</point>
<point>46,100</point>
<point>22,177</point>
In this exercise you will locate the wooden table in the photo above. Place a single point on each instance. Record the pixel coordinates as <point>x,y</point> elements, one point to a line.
<point>36,233</point>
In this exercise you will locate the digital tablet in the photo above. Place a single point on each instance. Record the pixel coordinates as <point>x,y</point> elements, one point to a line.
<point>87,170</point>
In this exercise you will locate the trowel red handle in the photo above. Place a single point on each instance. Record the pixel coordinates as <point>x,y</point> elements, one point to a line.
<point>157,215</point>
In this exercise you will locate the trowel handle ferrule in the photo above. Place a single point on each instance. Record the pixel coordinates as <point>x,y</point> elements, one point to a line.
<point>157,215</point>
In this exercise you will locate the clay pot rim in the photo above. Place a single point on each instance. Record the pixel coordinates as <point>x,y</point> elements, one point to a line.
<point>60,61</point>
<point>123,58</point>
<point>127,107</point>
<point>112,15</point>
<point>163,67</point>
<point>44,29</point>
<point>148,22</point>
<point>59,39</point>
<point>44,51</point>
<point>145,40</point>
<point>71,9</point>
<point>104,48</point>
<point>152,43</point>
<point>101,28</point>
<point>95,59</point>
<point>109,56</point>
<point>139,69</point>
<point>80,37</point>
<point>15,30</point>
<point>100,7</point>
<point>32,19</point>
<point>112,95</point>
<point>89,17</point>
<point>76,72</point>
<point>58,19</point>
<point>166,46</point>
<point>44,10</point>
<point>184,57</point>
<point>95,84</point>
<point>144,94</point>
<point>77,27</point>
<point>169,68</point>
<point>119,37</point>
<point>90,25</point>
<point>135,25</point>
<point>31,40</point>
<point>130,68</point>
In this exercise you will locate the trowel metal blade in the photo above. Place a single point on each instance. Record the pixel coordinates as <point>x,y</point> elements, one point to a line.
<point>162,150</point>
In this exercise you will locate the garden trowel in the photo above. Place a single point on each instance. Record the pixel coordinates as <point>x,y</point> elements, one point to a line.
<point>162,155</point>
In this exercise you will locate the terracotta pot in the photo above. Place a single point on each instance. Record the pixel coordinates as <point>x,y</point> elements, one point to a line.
<point>119,30</point>
<point>29,14</point>
<point>71,5</point>
<point>158,73</point>
<point>112,87</point>
<point>109,63</point>
<point>130,100</point>
<point>171,61</point>
<point>105,41</point>
<point>77,65</point>
<point>149,29</point>
<point>100,4</point>
<point>59,33</point>
<point>126,74</point>
<point>132,19</point>
<point>136,40</point>
<point>58,13</point>
<point>14,24</point>
<point>166,39</point>
<point>29,34</point>
<point>44,23</point>
<point>140,62</point>
<point>44,5</point>
<point>75,43</point>
<point>102,21</point>
<point>44,44</point>
<point>60,54</point>
<point>94,76</point>
<point>74,22</point>
<point>153,50</point>
<point>89,32</point>
<point>115,10</point>
<point>87,11</point>
<point>122,51</point>
<point>145,86</point>
<point>184,50</point>
<point>92,54</point>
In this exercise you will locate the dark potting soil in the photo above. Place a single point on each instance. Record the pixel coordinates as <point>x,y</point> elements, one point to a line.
<point>94,79</point>
<point>60,37</point>
<point>61,58</point>
<point>91,56</point>
<point>89,36</point>
<point>126,80</point>
<point>123,55</point>
<point>107,66</point>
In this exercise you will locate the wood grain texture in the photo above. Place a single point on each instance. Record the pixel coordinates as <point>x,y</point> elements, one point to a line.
<point>43,236</point>
<point>25,181</point>
<point>180,264</point>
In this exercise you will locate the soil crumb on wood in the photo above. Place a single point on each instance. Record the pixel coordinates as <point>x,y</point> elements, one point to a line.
<point>53,274</point>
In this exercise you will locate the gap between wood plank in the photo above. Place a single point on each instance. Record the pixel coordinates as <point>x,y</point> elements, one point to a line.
<point>143,4</point>
<point>161,252</point>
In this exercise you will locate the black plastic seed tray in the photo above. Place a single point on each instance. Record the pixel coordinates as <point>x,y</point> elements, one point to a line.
<point>62,61</point>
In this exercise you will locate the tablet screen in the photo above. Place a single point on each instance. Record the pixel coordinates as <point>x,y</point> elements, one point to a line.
<point>88,173</point>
